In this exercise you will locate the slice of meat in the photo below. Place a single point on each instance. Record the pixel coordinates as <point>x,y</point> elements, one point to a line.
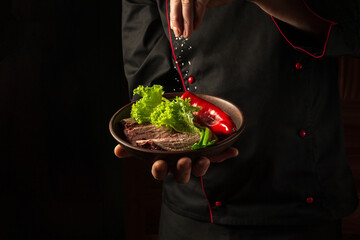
<point>175,142</point>
<point>148,144</point>
<point>134,131</point>
<point>157,138</point>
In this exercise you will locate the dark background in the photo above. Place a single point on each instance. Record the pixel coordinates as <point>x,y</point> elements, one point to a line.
<point>61,79</point>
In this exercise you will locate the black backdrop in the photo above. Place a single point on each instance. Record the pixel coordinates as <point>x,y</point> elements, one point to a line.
<point>61,79</point>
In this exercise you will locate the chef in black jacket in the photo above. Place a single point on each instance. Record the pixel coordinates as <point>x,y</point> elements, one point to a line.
<point>287,176</point>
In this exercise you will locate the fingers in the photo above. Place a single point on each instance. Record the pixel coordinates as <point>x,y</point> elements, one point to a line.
<point>183,170</point>
<point>188,16</point>
<point>200,167</point>
<point>228,153</point>
<point>184,167</point>
<point>176,19</point>
<point>159,170</point>
<point>120,152</point>
<point>182,17</point>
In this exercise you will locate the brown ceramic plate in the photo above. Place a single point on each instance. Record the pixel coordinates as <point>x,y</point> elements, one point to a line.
<point>231,109</point>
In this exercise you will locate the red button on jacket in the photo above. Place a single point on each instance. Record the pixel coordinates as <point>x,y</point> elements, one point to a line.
<point>191,80</point>
<point>309,200</point>
<point>218,204</point>
<point>298,66</point>
<point>302,133</point>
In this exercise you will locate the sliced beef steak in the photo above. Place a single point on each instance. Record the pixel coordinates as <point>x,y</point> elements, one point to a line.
<point>134,131</point>
<point>175,142</point>
<point>157,138</point>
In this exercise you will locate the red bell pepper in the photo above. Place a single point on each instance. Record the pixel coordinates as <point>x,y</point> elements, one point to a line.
<point>211,116</point>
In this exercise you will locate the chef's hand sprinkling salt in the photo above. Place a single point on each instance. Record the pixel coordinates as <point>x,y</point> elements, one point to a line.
<point>187,15</point>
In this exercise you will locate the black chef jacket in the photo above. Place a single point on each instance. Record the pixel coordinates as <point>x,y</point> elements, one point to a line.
<point>291,166</point>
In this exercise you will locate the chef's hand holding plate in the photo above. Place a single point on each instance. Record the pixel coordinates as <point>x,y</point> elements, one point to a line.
<point>184,166</point>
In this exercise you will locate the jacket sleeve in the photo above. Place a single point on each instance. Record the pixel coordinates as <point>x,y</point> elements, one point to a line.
<point>343,33</point>
<point>146,48</point>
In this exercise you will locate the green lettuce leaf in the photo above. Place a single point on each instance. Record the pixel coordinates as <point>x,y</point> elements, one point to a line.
<point>176,114</point>
<point>151,97</point>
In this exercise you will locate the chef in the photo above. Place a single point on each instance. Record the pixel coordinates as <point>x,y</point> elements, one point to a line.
<point>287,177</point>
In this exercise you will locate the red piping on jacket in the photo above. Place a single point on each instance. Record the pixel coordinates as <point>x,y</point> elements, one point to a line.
<point>183,83</point>
<point>207,200</point>
<point>327,37</point>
